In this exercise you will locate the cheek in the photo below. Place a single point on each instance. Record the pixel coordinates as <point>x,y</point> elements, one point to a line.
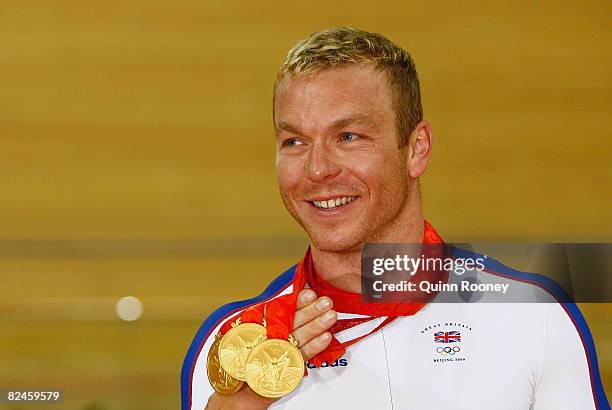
<point>288,175</point>
<point>380,173</point>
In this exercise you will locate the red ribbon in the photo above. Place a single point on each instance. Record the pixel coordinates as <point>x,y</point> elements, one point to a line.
<point>280,312</point>
<point>253,314</point>
<point>343,324</point>
<point>277,317</point>
<point>348,302</point>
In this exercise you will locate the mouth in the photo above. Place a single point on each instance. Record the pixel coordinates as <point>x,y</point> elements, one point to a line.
<point>333,203</point>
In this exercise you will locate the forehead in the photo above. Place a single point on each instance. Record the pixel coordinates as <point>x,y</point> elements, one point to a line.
<point>322,97</point>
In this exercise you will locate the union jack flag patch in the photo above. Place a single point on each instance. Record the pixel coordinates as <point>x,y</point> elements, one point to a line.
<point>447,337</point>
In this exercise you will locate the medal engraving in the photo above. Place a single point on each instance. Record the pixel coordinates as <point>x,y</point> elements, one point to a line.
<point>236,345</point>
<point>219,379</point>
<point>274,368</point>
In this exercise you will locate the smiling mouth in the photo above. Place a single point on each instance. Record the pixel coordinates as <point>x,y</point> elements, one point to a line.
<point>334,202</point>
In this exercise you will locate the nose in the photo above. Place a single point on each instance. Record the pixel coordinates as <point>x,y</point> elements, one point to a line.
<point>321,163</point>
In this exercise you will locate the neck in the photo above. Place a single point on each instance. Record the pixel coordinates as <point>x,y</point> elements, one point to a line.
<point>342,269</point>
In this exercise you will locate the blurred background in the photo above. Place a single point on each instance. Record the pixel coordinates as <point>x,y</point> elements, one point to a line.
<point>137,159</point>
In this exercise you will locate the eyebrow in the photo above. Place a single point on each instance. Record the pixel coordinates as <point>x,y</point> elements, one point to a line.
<point>285,126</point>
<point>352,119</point>
<point>339,123</point>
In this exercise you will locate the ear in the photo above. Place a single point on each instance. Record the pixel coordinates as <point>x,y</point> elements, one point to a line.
<point>419,149</point>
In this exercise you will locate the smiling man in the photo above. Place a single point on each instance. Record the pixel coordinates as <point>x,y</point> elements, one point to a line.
<point>351,146</point>
<point>344,173</point>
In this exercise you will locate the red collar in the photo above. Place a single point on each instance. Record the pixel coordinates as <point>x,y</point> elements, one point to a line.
<point>348,302</point>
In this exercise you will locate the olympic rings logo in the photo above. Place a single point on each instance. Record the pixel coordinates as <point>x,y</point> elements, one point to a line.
<point>448,350</point>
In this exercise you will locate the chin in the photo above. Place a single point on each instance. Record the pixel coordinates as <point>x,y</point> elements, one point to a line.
<point>335,242</point>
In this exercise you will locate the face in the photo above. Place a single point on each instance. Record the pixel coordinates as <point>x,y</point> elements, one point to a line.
<point>340,171</point>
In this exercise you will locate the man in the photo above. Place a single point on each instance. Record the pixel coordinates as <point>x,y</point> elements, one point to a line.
<point>351,146</point>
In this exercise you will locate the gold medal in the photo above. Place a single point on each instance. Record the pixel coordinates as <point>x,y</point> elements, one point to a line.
<point>222,382</point>
<point>274,368</point>
<point>236,345</point>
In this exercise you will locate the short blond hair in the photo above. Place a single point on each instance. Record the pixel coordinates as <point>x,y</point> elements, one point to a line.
<point>342,46</point>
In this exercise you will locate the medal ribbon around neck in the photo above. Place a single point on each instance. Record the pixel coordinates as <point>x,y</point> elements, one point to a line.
<point>280,312</point>
<point>254,314</point>
<point>348,302</point>
<point>279,317</point>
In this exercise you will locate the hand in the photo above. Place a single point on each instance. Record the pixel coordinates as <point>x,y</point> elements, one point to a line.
<point>313,318</point>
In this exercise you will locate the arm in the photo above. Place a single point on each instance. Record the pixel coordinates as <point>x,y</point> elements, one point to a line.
<point>569,375</point>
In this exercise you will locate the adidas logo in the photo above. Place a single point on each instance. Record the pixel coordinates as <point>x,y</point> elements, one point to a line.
<point>339,362</point>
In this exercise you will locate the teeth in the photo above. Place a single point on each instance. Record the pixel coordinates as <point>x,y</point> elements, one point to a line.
<point>333,203</point>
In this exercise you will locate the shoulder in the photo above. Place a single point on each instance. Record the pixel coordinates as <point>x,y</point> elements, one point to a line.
<point>564,325</point>
<point>541,287</point>
<point>193,372</point>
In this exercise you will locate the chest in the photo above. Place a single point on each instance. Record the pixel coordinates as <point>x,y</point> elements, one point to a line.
<point>427,362</point>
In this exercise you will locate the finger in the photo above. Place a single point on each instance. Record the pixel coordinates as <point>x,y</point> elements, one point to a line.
<point>305,298</point>
<point>309,312</point>
<point>315,327</point>
<point>316,346</point>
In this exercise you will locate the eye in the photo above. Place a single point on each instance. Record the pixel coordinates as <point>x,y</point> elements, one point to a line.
<point>349,136</point>
<point>292,142</point>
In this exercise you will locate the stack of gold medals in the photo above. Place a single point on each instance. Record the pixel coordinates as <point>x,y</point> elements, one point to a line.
<point>258,350</point>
